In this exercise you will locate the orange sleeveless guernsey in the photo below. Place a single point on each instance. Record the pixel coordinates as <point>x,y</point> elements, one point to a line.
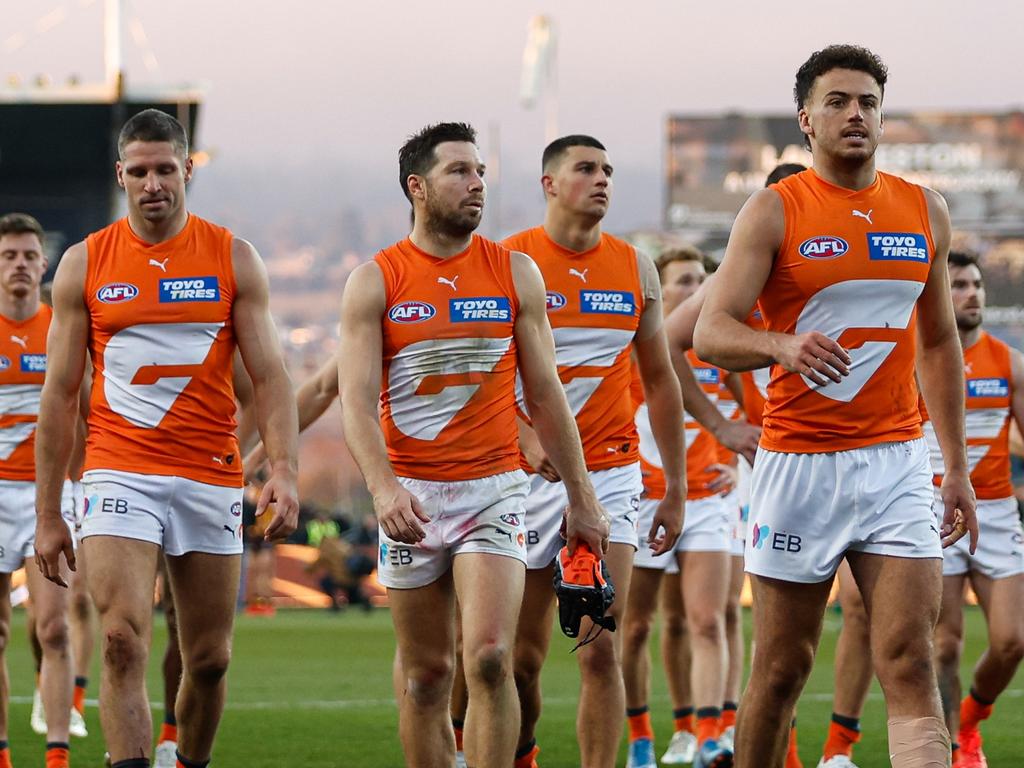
<point>162,341</point>
<point>449,362</point>
<point>701,447</point>
<point>594,301</point>
<point>989,394</point>
<point>22,369</point>
<point>851,266</point>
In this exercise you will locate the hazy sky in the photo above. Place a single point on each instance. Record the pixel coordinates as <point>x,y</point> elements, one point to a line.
<point>325,81</point>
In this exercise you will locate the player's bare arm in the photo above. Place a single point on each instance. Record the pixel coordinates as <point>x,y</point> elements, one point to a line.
<point>273,398</point>
<point>586,521</point>
<point>59,410</point>
<point>534,452</point>
<point>248,432</point>
<point>312,400</point>
<point>940,371</point>
<point>722,338</point>
<point>738,436</point>
<point>665,406</point>
<point>1017,404</point>
<point>362,308</point>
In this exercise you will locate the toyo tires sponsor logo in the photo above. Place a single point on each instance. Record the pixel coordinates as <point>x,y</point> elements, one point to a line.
<point>411,312</point>
<point>823,247</point>
<point>117,293</point>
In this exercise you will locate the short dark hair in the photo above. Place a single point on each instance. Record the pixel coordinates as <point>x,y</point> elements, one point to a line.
<point>837,57</point>
<point>964,259</point>
<point>20,224</point>
<point>779,172</point>
<point>554,151</point>
<point>417,157</point>
<point>152,125</point>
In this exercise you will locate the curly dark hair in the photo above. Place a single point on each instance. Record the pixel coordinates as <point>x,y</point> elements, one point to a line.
<point>416,157</point>
<point>837,57</point>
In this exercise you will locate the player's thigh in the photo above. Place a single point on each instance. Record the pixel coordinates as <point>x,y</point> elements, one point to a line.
<point>490,593</point>
<point>644,587</point>
<point>788,618</point>
<point>50,601</point>
<point>737,578</point>
<point>705,580</point>
<point>122,576</point>
<point>902,596</point>
<point>5,608</point>
<point>849,594</point>
<point>619,560</point>
<point>536,616</point>
<point>423,651</point>
<point>1002,601</point>
<point>204,588</point>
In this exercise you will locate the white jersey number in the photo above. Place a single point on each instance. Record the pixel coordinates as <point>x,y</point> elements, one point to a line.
<point>839,307</point>
<point>146,367</point>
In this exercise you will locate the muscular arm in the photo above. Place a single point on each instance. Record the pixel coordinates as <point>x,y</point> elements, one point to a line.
<point>248,432</point>
<point>362,308</point>
<point>549,410</point>
<point>679,327</point>
<point>721,337</point>
<point>940,371</point>
<point>273,399</point>
<point>59,408</point>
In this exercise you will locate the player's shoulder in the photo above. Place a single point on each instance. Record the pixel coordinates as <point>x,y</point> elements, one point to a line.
<point>523,240</point>
<point>613,243</point>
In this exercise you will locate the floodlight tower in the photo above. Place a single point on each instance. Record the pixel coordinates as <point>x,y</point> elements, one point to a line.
<point>540,72</point>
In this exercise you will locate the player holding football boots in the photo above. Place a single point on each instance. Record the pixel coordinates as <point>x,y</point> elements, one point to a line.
<point>994,396</point>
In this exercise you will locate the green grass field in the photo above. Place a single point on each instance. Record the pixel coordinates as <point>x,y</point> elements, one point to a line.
<point>312,689</point>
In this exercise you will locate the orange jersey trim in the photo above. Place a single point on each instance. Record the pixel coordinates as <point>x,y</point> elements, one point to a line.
<point>22,370</point>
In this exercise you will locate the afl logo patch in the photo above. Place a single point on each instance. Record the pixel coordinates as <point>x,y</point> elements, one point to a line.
<point>117,293</point>
<point>5,363</point>
<point>555,300</point>
<point>823,247</point>
<point>411,312</point>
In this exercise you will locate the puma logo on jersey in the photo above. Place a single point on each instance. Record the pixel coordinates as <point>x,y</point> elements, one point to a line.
<point>446,281</point>
<point>865,216</point>
<point>21,341</point>
<point>161,264</point>
<point>968,368</point>
<point>581,275</point>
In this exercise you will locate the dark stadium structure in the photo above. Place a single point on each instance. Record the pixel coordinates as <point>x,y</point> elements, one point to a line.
<point>57,155</point>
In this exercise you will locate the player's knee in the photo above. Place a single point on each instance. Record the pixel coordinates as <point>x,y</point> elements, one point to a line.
<point>905,662</point>
<point>733,617</point>
<point>5,634</point>
<point>947,649</point>
<point>208,665</point>
<point>675,628</point>
<point>529,659</point>
<point>53,634</point>
<point>597,659</point>
<point>81,606</point>
<point>635,634</point>
<point>491,664</point>
<point>123,649</point>
<point>782,675</point>
<point>855,619</point>
<point>429,684</point>
<point>706,626</point>
<point>1009,649</point>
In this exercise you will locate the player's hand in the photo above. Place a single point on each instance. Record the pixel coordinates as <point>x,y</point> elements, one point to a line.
<point>280,491</point>
<point>53,538</point>
<point>959,515</point>
<point>739,436</point>
<point>586,522</point>
<point>401,515</point>
<point>541,464</point>
<point>253,464</point>
<point>668,520</point>
<point>813,355</point>
<point>724,480</point>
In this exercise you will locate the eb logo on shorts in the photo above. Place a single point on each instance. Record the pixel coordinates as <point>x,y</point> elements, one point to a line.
<point>107,505</point>
<point>780,541</point>
<point>395,555</point>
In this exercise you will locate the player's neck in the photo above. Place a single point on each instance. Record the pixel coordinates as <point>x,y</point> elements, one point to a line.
<point>19,308</point>
<point>438,244</point>
<point>852,176</point>
<point>572,231</point>
<point>157,232</point>
<point>969,338</point>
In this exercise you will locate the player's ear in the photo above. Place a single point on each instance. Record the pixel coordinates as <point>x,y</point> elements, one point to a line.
<point>881,123</point>
<point>804,121</point>
<point>119,173</point>
<point>416,185</point>
<point>547,183</point>
<point>189,168</point>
